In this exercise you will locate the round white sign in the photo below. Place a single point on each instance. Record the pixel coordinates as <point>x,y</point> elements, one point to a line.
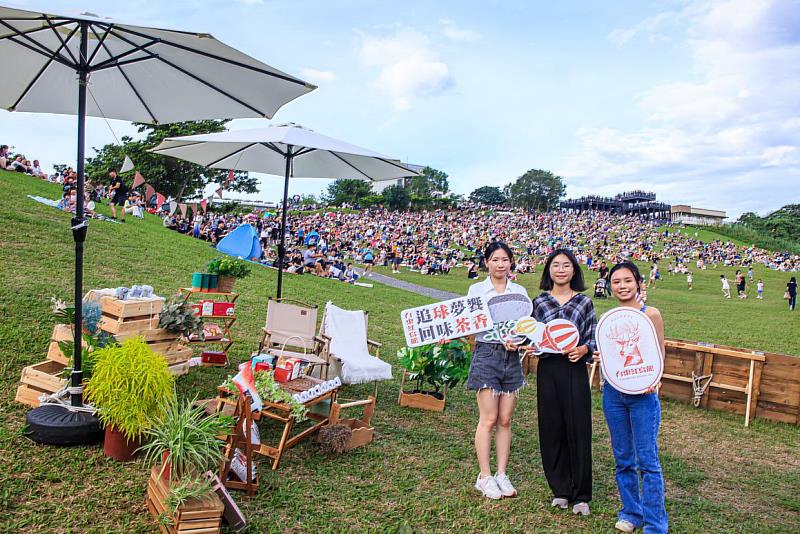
<point>630,354</point>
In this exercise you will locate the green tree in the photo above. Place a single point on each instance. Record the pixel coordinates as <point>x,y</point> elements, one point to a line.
<point>347,190</point>
<point>537,189</point>
<point>431,184</point>
<point>487,194</point>
<point>169,176</point>
<point>396,197</point>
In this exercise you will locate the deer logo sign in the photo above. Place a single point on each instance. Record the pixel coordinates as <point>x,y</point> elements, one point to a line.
<point>626,336</point>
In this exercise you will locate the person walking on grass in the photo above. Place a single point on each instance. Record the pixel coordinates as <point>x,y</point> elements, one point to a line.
<point>496,375</point>
<point>689,279</point>
<point>563,396</point>
<point>760,289</point>
<point>633,422</point>
<point>119,194</point>
<point>726,286</point>
<point>740,285</point>
<point>791,292</point>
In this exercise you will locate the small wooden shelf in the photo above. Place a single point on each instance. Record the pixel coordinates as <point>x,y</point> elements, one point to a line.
<point>227,320</point>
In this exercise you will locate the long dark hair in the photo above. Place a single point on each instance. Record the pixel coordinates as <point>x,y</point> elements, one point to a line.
<point>631,267</point>
<point>576,284</point>
<point>494,247</point>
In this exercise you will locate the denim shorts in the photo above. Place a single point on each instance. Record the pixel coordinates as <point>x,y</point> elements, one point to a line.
<point>495,368</point>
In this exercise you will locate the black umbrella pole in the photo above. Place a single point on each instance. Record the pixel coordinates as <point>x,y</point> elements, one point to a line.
<point>282,246</point>
<point>79,227</point>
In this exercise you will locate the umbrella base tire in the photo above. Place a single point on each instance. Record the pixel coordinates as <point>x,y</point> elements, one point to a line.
<point>52,424</point>
<point>118,447</point>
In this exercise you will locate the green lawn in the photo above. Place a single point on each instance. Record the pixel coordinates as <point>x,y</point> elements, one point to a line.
<point>418,474</point>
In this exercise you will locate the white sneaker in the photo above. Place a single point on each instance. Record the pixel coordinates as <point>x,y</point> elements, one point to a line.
<point>624,526</point>
<point>581,508</point>
<point>488,486</point>
<point>560,503</point>
<point>506,488</point>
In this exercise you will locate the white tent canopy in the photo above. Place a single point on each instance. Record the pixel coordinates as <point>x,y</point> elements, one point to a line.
<point>265,150</point>
<point>135,73</point>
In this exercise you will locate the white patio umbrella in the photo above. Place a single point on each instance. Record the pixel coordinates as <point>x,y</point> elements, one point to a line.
<point>287,150</point>
<point>132,73</point>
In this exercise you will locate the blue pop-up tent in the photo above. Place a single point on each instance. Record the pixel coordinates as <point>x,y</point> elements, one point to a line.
<point>242,243</point>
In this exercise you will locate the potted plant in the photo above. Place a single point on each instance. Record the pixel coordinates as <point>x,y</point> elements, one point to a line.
<point>228,269</point>
<point>179,317</point>
<point>187,443</point>
<point>433,368</point>
<point>130,386</point>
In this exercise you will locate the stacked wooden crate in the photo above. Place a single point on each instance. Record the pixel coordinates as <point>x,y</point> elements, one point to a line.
<point>200,515</point>
<point>130,318</point>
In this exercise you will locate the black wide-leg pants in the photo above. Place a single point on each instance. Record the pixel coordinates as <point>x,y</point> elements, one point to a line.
<point>564,403</point>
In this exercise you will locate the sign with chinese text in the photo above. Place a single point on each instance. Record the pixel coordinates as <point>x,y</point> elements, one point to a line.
<point>630,354</point>
<point>448,319</point>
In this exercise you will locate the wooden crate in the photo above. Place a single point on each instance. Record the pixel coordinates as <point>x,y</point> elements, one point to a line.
<point>179,354</point>
<point>61,332</point>
<point>152,336</point>
<point>29,395</point>
<point>130,308</point>
<point>421,401</point>
<point>179,369</point>
<point>128,325</point>
<point>43,376</point>
<point>195,516</point>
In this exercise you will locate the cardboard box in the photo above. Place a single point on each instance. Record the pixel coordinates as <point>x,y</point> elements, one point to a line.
<point>214,357</point>
<point>224,309</point>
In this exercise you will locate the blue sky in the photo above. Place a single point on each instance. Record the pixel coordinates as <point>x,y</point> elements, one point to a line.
<point>696,100</point>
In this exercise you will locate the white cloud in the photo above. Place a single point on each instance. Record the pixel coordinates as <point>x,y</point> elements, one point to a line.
<point>727,138</point>
<point>315,75</point>
<point>408,66</point>
<point>452,31</point>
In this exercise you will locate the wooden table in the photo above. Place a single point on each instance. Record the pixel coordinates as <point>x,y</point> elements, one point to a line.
<point>282,413</point>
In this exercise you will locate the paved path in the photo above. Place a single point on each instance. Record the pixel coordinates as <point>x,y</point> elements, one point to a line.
<point>437,294</point>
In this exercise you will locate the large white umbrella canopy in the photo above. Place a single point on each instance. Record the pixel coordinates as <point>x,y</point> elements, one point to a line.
<point>313,155</point>
<point>289,150</point>
<point>134,73</point>
<point>130,72</point>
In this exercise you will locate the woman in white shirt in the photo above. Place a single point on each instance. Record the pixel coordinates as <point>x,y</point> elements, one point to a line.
<point>496,375</point>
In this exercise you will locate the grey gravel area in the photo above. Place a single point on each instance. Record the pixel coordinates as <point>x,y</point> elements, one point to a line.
<point>437,294</point>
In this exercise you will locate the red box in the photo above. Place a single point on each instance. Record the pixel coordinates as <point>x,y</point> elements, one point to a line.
<point>224,309</point>
<point>263,366</point>
<point>282,374</point>
<point>213,357</point>
<point>198,309</point>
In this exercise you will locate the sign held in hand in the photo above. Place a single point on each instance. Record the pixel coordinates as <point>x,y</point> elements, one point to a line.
<point>449,319</point>
<point>630,354</point>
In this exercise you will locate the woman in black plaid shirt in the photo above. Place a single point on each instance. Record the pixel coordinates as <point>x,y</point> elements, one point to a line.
<point>562,385</point>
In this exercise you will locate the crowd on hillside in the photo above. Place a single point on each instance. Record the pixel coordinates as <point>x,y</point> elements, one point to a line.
<point>431,242</point>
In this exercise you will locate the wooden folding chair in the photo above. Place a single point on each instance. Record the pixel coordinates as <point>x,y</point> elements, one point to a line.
<point>290,330</point>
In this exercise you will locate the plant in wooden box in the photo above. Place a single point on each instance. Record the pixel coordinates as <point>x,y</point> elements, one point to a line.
<point>438,366</point>
<point>131,386</point>
<point>270,391</point>
<point>180,318</point>
<point>186,442</point>
<point>228,269</point>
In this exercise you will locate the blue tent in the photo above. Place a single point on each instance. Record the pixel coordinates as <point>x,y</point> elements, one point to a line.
<point>312,238</point>
<point>242,243</point>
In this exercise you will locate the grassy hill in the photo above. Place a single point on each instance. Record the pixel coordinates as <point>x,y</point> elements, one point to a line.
<point>419,471</point>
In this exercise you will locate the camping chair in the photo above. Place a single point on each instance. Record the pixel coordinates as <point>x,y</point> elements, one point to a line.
<point>347,350</point>
<point>290,330</point>
<point>345,334</point>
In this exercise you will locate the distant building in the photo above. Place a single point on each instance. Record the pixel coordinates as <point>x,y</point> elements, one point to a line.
<point>642,203</point>
<point>250,203</point>
<point>683,214</point>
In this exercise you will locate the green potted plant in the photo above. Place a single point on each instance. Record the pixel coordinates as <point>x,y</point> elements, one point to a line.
<point>186,442</point>
<point>179,317</point>
<point>433,369</point>
<point>130,386</point>
<point>228,269</point>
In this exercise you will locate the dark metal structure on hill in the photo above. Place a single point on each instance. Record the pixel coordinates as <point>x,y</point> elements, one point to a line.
<point>642,203</point>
